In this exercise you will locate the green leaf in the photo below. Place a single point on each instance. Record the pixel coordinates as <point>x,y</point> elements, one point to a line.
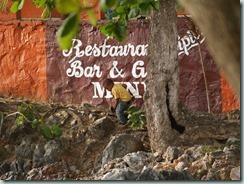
<point>45,13</point>
<point>67,6</point>
<point>47,132</point>
<point>144,1</point>
<point>145,7</point>
<point>120,9</point>
<point>21,4</point>
<point>39,3</point>
<point>155,5</point>
<point>56,131</point>
<point>15,7</point>
<point>34,123</point>
<point>132,2</point>
<point>133,109</point>
<point>108,5</point>
<point>19,120</point>
<point>92,17</point>
<point>68,31</point>
<point>133,13</point>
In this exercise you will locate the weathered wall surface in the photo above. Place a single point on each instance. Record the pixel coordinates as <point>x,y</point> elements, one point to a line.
<point>23,59</point>
<point>75,79</point>
<point>192,84</point>
<point>31,65</point>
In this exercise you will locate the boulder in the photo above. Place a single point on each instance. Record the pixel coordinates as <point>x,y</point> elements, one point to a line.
<point>52,152</point>
<point>150,174</point>
<point>137,160</point>
<point>235,173</point>
<point>171,153</point>
<point>4,167</point>
<point>120,145</point>
<point>26,148</point>
<point>101,128</point>
<point>120,174</point>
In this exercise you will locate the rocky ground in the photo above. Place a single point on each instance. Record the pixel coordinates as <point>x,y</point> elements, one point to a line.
<point>94,147</point>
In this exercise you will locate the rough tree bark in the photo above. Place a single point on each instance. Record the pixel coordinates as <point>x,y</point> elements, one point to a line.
<point>219,20</point>
<point>161,97</point>
<point>168,124</point>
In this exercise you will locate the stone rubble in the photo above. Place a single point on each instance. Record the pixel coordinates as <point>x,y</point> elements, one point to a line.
<point>94,147</point>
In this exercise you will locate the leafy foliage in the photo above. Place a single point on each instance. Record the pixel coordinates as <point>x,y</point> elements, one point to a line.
<point>122,11</point>
<point>27,116</point>
<point>208,149</point>
<point>137,117</point>
<point>68,30</point>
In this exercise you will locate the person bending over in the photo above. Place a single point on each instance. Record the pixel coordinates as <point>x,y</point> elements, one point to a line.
<point>122,97</point>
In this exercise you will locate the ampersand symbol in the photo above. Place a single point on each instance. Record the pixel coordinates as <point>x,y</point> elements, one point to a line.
<point>115,72</point>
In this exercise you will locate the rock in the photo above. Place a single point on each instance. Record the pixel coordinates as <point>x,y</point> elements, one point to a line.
<point>10,148</point>
<point>119,146</point>
<point>232,140</point>
<point>16,134</point>
<point>4,107</point>
<point>171,154</point>
<point>27,166</point>
<point>52,152</point>
<point>17,166</point>
<point>34,174</point>
<point>180,166</point>
<point>176,175</point>
<point>93,116</point>
<point>25,149</point>
<point>4,168</point>
<point>38,159</point>
<point>73,122</point>
<point>224,173</point>
<point>137,160</point>
<point>149,174</point>
<point>120,174</point>
<point>3,152</point>
<point>101,128</point>
<point>235,173</point>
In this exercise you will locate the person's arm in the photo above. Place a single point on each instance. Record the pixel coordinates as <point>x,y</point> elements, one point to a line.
<point>116,103</point>
<point>113,108</point>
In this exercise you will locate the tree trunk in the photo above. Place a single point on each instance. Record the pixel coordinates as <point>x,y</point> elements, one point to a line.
<point>168,123</point>
<point>162,95</point>
<point>220,22</point>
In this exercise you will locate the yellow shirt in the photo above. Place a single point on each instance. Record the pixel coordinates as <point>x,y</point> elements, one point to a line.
<point>121,93</point>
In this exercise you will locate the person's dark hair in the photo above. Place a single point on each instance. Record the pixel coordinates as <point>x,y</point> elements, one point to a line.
<point>108,82</point>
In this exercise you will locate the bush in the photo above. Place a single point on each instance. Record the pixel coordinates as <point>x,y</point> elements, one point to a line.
<point>137,117</point>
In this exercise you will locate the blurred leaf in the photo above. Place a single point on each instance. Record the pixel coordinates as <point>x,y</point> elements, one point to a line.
<point>21,4</point>
<point>120,9</point>
<point>144,1</point>
<point>92,17</point>
<point>133,13</point>
<point>145,7</point>
<point>15,7</point>
<point>68,31</point>
<point>108,4</point>
<point>155,5</point>
<point>45,13</point>
<point>67,6</point>
<point>39,3</point>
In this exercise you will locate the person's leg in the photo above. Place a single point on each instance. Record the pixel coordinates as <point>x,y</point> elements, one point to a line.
<point>120,112</point>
